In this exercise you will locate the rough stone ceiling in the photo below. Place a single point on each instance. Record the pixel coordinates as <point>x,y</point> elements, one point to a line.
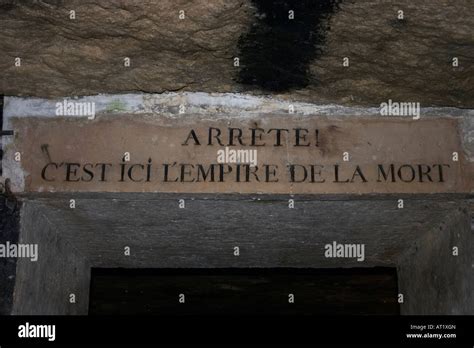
<point>408,60</point>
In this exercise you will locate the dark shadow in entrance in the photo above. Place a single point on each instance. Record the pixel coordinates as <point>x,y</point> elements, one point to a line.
<point>244,291</point>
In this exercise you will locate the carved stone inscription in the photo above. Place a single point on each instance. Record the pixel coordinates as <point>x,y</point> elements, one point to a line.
<point>264,155</point>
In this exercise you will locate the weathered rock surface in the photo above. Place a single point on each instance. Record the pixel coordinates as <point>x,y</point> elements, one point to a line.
<point>405,60</point>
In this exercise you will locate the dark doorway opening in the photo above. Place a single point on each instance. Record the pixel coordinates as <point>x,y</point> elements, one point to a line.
<point>242,291</point>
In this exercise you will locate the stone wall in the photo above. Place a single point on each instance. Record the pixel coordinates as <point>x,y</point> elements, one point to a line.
<point>432,277</point>
<point>238,61</point>
<point>44,287</point>
<point>408,59</point>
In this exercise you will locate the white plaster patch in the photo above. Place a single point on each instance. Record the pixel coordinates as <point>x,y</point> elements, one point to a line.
<point>199,103</point>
